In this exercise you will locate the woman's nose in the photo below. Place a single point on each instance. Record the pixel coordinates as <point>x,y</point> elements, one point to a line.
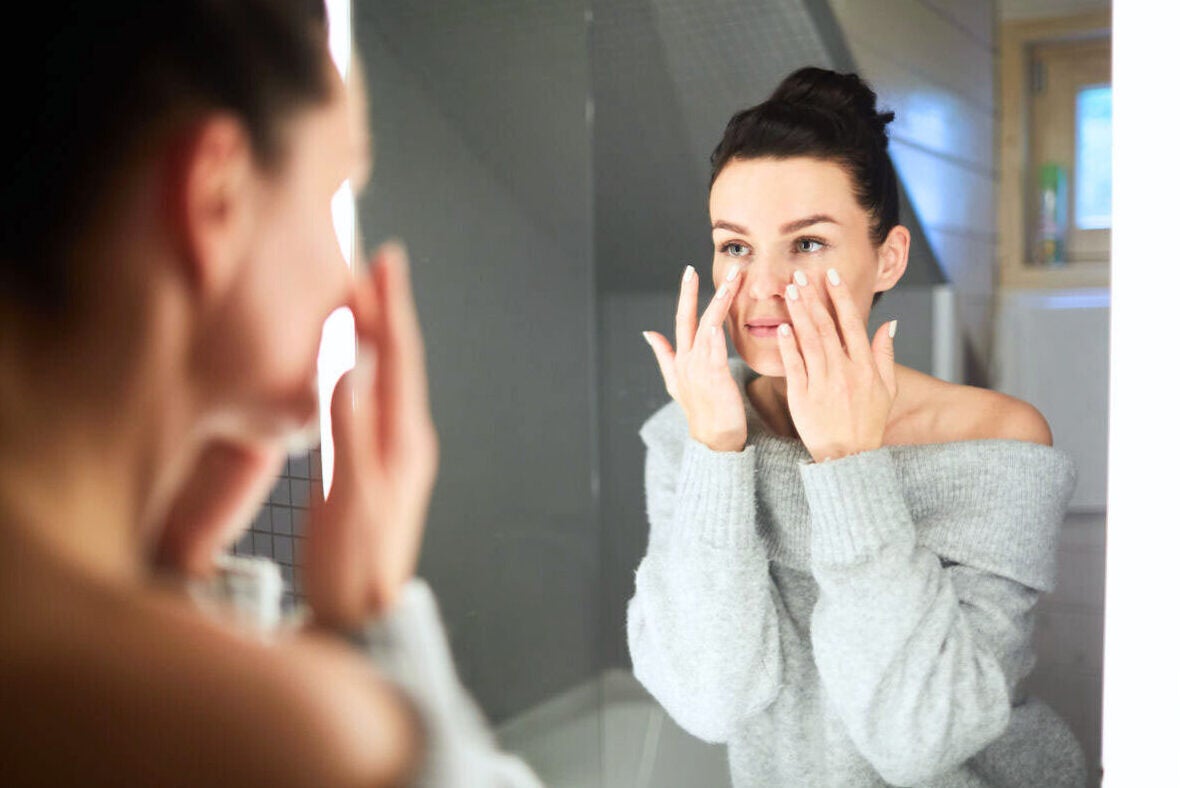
<point>765,280</point>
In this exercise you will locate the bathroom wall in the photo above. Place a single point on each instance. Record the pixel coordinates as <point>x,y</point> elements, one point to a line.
<point>482,143</point>
<point>277,530</point>
<point>933,63</point>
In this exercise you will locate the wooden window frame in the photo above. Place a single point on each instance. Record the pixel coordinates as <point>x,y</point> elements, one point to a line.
<point>1012,211</point>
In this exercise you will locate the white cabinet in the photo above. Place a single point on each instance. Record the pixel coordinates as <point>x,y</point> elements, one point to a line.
<point>1052,349</point>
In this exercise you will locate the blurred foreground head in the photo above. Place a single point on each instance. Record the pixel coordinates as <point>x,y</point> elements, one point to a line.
<point>169,168</point>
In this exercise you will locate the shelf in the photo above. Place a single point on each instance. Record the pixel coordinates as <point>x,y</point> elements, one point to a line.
<point>1081,274</point>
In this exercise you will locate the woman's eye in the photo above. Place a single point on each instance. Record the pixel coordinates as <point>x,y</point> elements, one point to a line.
<point>734,249</point>
<point>809,245</point>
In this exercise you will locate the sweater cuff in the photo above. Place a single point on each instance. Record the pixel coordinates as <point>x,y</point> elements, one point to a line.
<point>857,507</point>
<point>715,496</point>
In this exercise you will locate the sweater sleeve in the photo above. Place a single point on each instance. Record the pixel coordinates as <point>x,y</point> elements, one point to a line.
<point>703,626</point>
<point>919,660</point>
<point>409,648</point>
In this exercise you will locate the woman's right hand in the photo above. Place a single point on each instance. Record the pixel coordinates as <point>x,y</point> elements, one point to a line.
<point>696,373</point>
<point>363,541</point>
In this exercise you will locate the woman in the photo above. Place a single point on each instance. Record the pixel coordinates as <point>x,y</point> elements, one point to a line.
<point>169,259</point>
<point>844,552</point>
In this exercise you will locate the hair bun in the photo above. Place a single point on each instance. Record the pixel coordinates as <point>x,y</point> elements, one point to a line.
<point>845,96</point>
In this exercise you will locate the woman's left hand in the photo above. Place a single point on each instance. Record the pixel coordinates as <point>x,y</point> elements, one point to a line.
<point>839,393</point>
<point>227,485</point>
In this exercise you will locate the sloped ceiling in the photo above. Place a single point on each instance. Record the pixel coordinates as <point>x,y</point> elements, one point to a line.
<point>660,79</point>
<point>666,77</point>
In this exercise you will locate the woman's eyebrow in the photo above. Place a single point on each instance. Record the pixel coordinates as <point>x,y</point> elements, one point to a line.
<point>806,221</point>
<point>788,227</point>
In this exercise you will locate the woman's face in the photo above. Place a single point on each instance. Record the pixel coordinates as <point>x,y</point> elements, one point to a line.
<point>774,217</point>
<point>262,360</point>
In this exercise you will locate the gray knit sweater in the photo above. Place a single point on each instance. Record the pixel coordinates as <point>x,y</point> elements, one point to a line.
<point>864,621</point>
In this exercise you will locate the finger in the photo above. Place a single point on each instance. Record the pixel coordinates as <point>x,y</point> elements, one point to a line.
<point>686,310</point>
<point>665,357</point>
<point>852,327</point>
<point>365,308</point>
<point>821,318</point>
<point>226,487</point>
<point>350,438</point>
<point>793,367</point>
<point>718,355</point>
<point>718,308</point>
<point>806,334</point>
<point>883,355</point>
<point>405,391</point>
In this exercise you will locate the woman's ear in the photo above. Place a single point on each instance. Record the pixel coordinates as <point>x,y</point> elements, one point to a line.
<point>215,201</point>
<point>892,257</point>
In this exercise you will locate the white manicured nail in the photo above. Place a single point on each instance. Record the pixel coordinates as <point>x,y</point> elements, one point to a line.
<point>892,329</point>
<point>800,278</point>
<point>688,272</point>
<point>833,277</point>
<point>733,272</point>
<point>792,292</point>
<point>784,329</point>
<point>721,291</point>
<point>647,338</point>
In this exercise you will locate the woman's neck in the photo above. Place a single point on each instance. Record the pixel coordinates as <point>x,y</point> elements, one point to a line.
<point>70,510</point>
<point>86,469</point>
<point>769,397</point>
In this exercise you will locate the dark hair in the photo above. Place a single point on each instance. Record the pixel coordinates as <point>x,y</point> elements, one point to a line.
<point>96,82</point>
<point>825,115</point>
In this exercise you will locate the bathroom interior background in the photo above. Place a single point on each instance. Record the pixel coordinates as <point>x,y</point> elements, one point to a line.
<point>546,164</point>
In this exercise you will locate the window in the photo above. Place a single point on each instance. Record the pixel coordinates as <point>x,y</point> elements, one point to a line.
<point>1054,151</point>
<point>1092,159</point>
<point>1068,189</point>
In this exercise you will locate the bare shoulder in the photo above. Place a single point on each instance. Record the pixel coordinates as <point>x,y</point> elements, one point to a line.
<point>147,688</point>
<point>954,412</point>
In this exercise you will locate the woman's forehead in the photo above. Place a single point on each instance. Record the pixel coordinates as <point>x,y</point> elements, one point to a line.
<point>769,191</point>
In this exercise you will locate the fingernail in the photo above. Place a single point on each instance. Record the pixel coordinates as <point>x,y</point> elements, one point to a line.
<point>713,330</point>
<point>792,292</point>
<point>833,277</point>
<point>721,291</point>
<point>733,272</point>
<point>892,329</point>
<point>800,278</point>
<point>784,329</point>
<point>647,337</point>
<point>688,272</point>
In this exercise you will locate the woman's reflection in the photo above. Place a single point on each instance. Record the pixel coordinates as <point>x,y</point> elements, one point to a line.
<point>844,552</point>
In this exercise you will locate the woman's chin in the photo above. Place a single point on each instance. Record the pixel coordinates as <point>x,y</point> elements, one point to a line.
<point>765,363</point>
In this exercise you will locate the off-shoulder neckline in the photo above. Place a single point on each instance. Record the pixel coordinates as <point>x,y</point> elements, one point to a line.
<point>744,374</point>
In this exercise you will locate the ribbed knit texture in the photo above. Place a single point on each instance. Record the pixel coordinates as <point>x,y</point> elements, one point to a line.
<point>864,621</point>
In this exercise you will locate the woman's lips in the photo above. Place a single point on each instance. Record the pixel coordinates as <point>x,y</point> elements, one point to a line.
<point>764,327</point>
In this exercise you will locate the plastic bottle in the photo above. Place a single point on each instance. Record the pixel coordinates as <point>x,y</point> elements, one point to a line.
<point>1052,217</point>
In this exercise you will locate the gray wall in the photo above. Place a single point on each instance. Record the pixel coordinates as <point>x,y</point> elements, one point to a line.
<point>482,144</point>
<point>933,63</point>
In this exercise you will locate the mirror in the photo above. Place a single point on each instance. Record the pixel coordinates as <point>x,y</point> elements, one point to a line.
<point>547,165</point>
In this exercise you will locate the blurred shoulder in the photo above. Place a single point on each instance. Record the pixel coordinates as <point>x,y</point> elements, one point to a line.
<point>179,691</point>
